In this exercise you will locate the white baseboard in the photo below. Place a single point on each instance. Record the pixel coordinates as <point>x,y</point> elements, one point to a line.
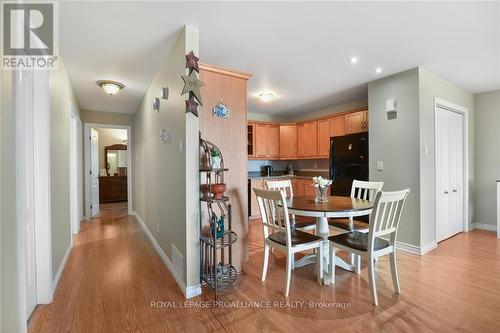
<point>188,291</point>
<point>60,270</point>
<point>428,247</point>
<point>413,249</point>
<point>408,248</point>
<point>485,226</point>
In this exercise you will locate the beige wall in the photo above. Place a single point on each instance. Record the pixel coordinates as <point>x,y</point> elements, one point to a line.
<point>395,142</point>
<point>487,129</point>
<point>400,144</point>
<point>61,97</point>
<point>108,137</point>
<point>166,189</point>
<point>110,118</point>
<point>430,87</point>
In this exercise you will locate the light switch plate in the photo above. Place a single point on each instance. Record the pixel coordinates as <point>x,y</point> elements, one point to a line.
<point>380,166</point>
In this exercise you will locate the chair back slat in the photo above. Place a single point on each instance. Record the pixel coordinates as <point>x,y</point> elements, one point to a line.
<point>386,214</point>
<point>280,185</point>
<point>365,190</point>
<point>274,212</point>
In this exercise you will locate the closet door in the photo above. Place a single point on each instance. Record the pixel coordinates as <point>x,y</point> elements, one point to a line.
<point>449,173</point>
<point>457,176</point>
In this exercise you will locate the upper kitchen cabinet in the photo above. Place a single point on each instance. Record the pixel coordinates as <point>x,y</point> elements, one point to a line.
<point>288,141</point>
<point>267,141</point>
<point>337,126</point>
<point>251,140</point>
<point>324,132</point>
<point>307,139</point>
<point>356,122</point>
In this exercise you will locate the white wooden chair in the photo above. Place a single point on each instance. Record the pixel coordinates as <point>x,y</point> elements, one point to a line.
<point>384,221</point>
<point>359,190</point>
<point>300,223</point>
<point>281,236</point>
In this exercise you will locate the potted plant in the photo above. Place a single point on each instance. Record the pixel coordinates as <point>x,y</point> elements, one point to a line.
<point>216,158</point>
<point>321,187</point>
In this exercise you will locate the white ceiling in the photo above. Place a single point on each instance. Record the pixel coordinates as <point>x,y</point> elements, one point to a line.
<point>298,50</point>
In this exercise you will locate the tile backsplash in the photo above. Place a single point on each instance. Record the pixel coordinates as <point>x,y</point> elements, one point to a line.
<point>257,165</point>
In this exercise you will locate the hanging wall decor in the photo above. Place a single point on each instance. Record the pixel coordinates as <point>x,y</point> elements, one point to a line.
<point>192,106</point>
<point>192,62</point>
<point>221,110</point>
<point>192,84</point>
<point>156,104</point>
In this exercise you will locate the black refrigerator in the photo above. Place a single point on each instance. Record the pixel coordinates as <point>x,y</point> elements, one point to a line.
<point>348,161</point>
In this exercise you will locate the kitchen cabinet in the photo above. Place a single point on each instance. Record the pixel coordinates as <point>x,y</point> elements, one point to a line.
<point>301,140</point>
<point>251,140</point>
<point>324,132</point>
<point>308,188</point>
<point>267,141</point>
<point>307,139</point>
<point>288,141</point>
<point>298,187</point>
<point>273,137</point>
<point>337,126</point>
<point>254,206</point>
<point>356,122</point>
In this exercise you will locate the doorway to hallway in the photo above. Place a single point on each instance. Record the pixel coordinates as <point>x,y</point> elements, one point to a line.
<point>108,167</point>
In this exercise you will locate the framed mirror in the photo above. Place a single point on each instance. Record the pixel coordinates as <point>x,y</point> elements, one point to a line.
<point>115,160</point>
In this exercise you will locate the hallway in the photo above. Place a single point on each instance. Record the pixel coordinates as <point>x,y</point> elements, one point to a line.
<point>110,279</point>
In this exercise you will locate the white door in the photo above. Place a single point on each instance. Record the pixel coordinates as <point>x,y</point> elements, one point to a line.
<point>94,171</point>
<point>24,101</point>
<point>73,171</point>
<point>449,173</point>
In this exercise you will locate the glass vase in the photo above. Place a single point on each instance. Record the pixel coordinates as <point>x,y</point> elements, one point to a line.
<point>321,194</point>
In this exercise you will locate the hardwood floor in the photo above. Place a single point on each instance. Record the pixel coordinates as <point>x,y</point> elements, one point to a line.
<point>113,275</point>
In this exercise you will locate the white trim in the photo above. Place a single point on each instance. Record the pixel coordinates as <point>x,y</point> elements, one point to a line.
<point>428,247</point>
<point>484,226</point>
<point>408,248</point>
<point>498,209</point>
<point>60,270</point>
<point>188,291</point>
<point>439,102</point>
<point>74,171</point>
<point>42,194</point>
<point>130,147</point>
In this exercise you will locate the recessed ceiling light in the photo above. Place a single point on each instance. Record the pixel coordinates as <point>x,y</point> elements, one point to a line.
<point>110,87</point>
<point>266,97</point>
<point>353,60</point>
<point>378,70</point>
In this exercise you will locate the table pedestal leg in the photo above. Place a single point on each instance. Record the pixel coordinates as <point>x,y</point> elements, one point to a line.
<point>322,230</point>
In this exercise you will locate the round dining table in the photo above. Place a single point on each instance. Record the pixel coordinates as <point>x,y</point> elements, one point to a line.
<point>336,207</point>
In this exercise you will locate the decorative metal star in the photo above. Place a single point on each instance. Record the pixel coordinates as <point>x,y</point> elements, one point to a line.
<point>191,105</point>
<point>192,61</point>
<point>192,84</point>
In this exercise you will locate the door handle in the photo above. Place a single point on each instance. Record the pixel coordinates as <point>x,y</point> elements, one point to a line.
<point>454,190</point>
<point>445,192</point>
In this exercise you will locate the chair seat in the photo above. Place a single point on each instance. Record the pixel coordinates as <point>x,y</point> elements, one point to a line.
<point>304,222</point>
<point>346,224</point>
<point>358,241</point>
<point>297,237</point>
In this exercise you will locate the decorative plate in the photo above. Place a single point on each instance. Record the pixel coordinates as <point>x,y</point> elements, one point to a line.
<point>221,111</point>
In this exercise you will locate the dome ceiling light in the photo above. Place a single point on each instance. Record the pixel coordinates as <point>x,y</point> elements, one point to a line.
<point>110,87</point>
